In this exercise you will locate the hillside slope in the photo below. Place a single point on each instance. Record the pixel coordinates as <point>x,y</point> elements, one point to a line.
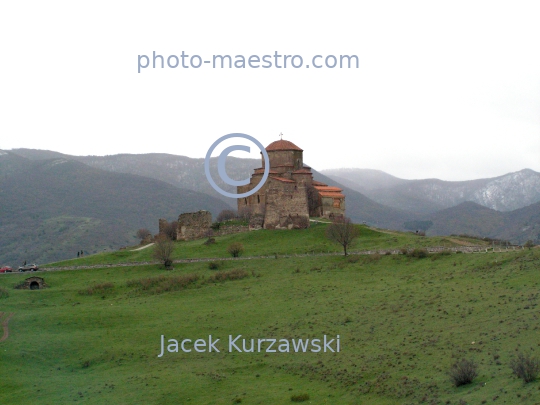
<point>470,218</point>
<point>503,193</point>
<point>188,173</point>
<point>53,208</point>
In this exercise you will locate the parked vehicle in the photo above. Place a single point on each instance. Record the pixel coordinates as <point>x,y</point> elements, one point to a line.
<point>6,269</point>
<point>29,267</point>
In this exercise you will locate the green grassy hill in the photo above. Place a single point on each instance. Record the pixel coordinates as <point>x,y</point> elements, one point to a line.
<point>51,209</point>
<point>93,336</point>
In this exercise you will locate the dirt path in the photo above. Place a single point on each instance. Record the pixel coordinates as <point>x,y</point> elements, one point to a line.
<point>5,325</point>
<point>141,248</point>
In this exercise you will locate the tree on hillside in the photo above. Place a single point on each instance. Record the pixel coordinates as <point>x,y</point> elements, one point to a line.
<point>143,233</point>
<point>529,244</point>
<point>163,249</point>
<point>170,229</point>
<point>342,231</point>
<point>226,215</point>
<point>235,249</point>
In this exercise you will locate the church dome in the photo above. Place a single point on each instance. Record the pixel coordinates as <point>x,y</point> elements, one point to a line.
<point>282,145</point>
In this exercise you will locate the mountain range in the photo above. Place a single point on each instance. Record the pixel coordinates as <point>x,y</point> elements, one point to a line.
<point>53,204</point>
<point>504,193</point>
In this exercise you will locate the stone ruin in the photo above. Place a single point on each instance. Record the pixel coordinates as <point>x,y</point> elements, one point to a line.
<point>193,225</point>
<point>32,283</point>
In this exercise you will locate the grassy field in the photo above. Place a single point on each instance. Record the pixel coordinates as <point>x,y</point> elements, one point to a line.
<point>269,243</point>
<point>93,336</point>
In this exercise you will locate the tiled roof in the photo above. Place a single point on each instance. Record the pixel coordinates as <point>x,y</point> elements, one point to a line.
<point>318,183</point>
<point>328,188</point>
<point>260,170</point>
<point>303,171</point>
<point>282,179</point>
<point>331,194</point>
<point>282,145</point>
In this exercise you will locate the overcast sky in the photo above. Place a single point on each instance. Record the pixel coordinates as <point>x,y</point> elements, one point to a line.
<point>443,89</point>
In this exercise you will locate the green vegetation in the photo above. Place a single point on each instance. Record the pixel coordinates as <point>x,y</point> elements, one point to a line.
<point>54,208</point>
<point>269,243</point>
<point>94,335</point>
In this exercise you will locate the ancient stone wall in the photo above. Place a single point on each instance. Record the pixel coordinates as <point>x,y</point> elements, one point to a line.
<point>32,283</point>
<point>333,207</point>
<point>286,206</point>
<point>193,225</point>
<point>229,230</point>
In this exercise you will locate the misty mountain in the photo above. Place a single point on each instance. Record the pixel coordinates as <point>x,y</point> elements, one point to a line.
<point>471,218</point>
<point>52,208</point>
<point>364,180</point>
<point>504,193</point>
<point>188,173</point>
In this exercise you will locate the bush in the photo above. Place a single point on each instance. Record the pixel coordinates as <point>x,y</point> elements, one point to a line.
<point>419,253</point>
<point>404,251</point>
<point>163,250</point>
<point>235,249</point>
<point>525,367</point>
<point>226,215</point>
<point>4,292</point>
<point>300,397</point>
<point>228,275</point>
<point>215,226</point>
<point>438,255</point>
<point>101,288</point>
<point>161,284</point>
<point>463,372</point>
<point>143,233</point>
<point>215,265</point>
<point>209,241</point>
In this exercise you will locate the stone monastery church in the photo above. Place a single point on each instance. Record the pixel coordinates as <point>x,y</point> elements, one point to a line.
<point>290,195</point>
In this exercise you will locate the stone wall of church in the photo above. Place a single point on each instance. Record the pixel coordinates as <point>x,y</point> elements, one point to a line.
<point>286,206</point>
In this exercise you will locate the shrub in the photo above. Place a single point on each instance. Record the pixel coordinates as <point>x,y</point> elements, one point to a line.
<point>143,233</point>
<point>163,250</point>
<point>161,284</point>
<point>353,258</point>
<point>215,265</point>
<point>301,222</point>
<point>215,226</point>
<point>228,275</point>
<point>209,241</point>
<point>375,257</point>
<point>529,244</point>
<point>404,251</point>
<point>101,288</point>
<point>419,253</point>
<point>235,249</point>
<point>526,367</point>
<point>4,292</point>
<point>438,255</point>
<point>463,372</point>
<point>300,397</point>
<point>226,215</point>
